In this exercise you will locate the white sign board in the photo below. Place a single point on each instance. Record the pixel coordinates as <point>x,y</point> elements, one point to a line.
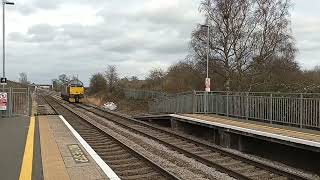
<point>207,84</point>
<point>3,101</point>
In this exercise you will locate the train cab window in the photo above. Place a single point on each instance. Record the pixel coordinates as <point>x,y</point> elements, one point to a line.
<point>75,83</point>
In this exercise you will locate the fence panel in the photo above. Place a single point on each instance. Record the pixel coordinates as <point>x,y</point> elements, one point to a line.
<point>19,102</point>
<point>143,94</point>
<point>289,109</point>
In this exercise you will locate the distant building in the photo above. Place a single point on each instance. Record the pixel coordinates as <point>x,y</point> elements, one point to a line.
<point>42,86</point>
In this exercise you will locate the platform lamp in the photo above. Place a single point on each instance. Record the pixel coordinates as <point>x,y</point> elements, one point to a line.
<point>4,2</point>
<point>207,80</point>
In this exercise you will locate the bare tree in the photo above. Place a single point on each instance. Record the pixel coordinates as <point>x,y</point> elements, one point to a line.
<point>23,79</point>
<point>155,79</point>
<point>111,77</point>
<point>183,76</point>
<point>63,78</point>
<point>244,36</point>
<point>98,83</point>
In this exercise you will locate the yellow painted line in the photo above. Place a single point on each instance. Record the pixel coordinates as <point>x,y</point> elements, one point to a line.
<point>26,168</point>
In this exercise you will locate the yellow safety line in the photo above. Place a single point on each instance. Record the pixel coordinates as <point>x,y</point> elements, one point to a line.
<point>26,168</point>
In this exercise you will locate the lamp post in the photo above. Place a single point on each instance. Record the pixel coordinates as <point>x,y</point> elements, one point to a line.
<point>4,2</point>
<point>207,27</point>
<point>207,80</point>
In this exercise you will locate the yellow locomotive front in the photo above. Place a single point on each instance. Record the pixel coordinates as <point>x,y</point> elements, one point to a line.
<point>73,91</point>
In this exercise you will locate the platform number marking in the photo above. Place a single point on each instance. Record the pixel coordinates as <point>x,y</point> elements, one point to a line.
<point>77,154</point>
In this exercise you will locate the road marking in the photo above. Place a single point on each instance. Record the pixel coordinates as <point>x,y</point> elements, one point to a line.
<point>105,168</point>
<point>26,168</point>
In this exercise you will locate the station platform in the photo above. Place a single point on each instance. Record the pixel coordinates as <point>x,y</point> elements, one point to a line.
<point>13,136</point>
<point>47,147</point>
<point>292,136</point>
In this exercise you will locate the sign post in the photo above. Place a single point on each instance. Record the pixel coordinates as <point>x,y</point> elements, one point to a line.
<point>3,101</point>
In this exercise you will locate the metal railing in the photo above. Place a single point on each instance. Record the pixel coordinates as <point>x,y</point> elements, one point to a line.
<point>19,102</point>
<point>143,94</point>
<point>298,109</point>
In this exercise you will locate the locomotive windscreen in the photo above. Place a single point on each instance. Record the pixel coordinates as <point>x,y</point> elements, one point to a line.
<point>75,83</point>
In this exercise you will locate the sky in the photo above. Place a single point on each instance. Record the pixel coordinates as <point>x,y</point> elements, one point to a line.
<point>45,38</point>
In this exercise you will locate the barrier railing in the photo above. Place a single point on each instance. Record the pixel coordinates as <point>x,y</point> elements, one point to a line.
<point>19,102</point>
<point>298,109</point>
<point>143,94</point>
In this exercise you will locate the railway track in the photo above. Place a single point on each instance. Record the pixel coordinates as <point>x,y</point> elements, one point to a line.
<point>126,163</point>
<point>236,166</point>
<point>43,107</point>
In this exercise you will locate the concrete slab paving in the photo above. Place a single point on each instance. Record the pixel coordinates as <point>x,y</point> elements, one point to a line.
<point>61,140</point>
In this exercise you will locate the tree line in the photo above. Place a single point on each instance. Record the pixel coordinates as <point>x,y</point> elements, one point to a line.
<point>251,48</point>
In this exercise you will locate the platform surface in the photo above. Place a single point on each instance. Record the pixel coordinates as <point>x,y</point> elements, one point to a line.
<point>296,135</point>
<point>61,157</point>
<point>13,135</point>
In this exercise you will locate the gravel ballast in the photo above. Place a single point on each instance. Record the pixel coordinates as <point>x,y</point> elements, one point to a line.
<point>176,163</point>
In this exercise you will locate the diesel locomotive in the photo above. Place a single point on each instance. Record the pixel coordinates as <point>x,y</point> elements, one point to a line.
<point>72,91</point>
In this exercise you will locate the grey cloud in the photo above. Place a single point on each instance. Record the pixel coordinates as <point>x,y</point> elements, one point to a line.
<point>42,33</point>
<point>134,41</point>
<point>25,9</point>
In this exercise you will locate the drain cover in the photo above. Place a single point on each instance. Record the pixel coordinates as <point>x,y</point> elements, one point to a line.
<point>77,154</point>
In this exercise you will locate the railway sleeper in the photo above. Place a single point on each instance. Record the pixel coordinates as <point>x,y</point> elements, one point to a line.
<point>123,166</point>
<point>231,163</point>
<point>137,171</point>
<point>120,161</point>
<point>259,174</point>
<point>112,157</point>
<point>149,176</point>
<point>202,152</point>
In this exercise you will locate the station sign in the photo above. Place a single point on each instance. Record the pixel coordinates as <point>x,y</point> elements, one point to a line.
<point>3,101</point>
<point>3,81</point>
<point>207,85</point>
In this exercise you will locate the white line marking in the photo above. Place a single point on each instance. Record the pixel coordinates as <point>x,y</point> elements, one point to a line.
<point>105,168</point>
<point>261,133</point>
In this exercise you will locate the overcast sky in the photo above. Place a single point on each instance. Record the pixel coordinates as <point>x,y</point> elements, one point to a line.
<point>46,38</point>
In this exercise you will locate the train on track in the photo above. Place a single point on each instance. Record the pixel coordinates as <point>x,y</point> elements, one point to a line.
<point>73,91</point>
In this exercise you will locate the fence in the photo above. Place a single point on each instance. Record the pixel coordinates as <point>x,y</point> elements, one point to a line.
<point>143,94</point>
<point>19,102</point>
<point>301,110</point>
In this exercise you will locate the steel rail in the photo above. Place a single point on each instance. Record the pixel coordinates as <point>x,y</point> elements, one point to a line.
<point>219,167</point>
<point>161,170</point>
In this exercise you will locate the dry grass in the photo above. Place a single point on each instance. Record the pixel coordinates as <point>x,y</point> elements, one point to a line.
<point>125,106</point>
<point>95,100</point>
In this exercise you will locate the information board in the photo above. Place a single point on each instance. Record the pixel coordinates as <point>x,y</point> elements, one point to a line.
<point>207,84</point>
<point>3,101</point>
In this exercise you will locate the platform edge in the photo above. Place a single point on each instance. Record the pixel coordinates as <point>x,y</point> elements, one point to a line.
<point>104,167</point>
